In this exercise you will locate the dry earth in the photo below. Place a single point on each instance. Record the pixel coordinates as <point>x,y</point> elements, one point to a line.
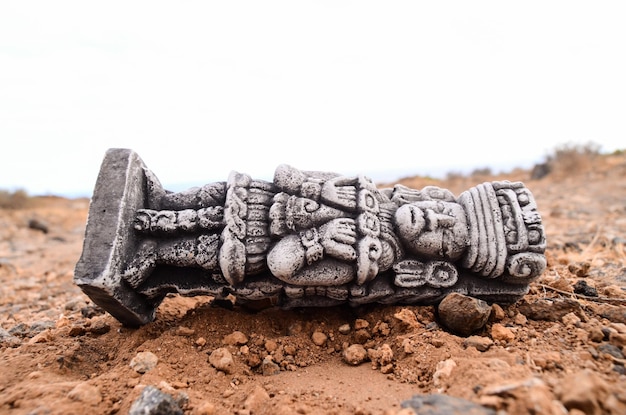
<point>558,351</point>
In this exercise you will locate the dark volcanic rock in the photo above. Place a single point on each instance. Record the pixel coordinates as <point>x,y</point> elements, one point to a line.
<point>444,405</point>
<point>154,402</point>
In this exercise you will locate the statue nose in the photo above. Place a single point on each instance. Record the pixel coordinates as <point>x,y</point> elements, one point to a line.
<point>438,220</point>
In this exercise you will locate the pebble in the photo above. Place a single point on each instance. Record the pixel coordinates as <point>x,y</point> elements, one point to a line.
<point>222,360</point>
<point>144,362</point>
<point>444,405</point>
<point>269,367</point>
<point>355,354</point>
<point>344,329</point>
<point>443,371</point>
<point>319,338</point>
<point>502,333</point>
<point>205,408</point>
<point>8,339</point>
<point>408,317</point>
<point>520,319</point>
<point>611,350</point>
<point>154,402</point>
<point>497,313</point>
<point>184,331</point>
<point>548,310</point>
<point>361,336</point>
<point>86,393</point>
<point>271,346</point>
<point>617,339</point>
<point>581,287</point>
<point>99,327</point>
<point>481,343</point>
<point>360,323</point>
<point>584,391</point>
<point>462,314</point>
<point>236,338</point>
<point>256,400</point>
<point>571,319</point>
<point>381,356</point>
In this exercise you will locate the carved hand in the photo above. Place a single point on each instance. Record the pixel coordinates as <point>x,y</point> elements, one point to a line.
<point>337,238</point>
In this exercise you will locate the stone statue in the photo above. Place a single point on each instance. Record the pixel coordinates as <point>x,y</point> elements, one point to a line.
<point>305,239</point>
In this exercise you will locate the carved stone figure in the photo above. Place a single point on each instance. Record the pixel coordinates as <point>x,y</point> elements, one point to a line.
<point>304,239</point>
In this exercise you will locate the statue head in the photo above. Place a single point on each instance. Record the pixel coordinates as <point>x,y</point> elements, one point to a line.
<point>433,228</point>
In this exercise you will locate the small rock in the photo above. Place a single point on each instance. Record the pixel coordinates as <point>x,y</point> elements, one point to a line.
<point>612,313</point>
<point>581,287</point>
<point>8,339</point>
<point>584,391</point>
<point>99,327</point>
<point>144,361</point>
<point>38,225</point>
<point>611,350</point>
<point>520,319</point>
<point>502,333</point>
<point>200,341</point>
<point>91,311</point>
<point>154,402</point>
<point>617,339</point>
<point>257,400</point>
<point>360,323</point>
<point>481,343</point>
<point>355,354</point>
<point>381,356</point>
<point>408,317</point>
<point>497,313</point>
<point>344,329</point>
<point>549,310</point>
<point>222,360</point>
<point>444,404</point>
<point>571,319</point>
<point>271,346</point>
<point>86,393</point>
<point>362,336</point>
<point>580,269</point>
<point>463,314</point>
<point>205,408</point>
<point>236,338</point>
<point>269,367</point>
<point>319,338</point>
<point>595,334</point>
<point>547,360</point>
<point>443,371</point>
<point>77,330</point>
<point>184,331</point>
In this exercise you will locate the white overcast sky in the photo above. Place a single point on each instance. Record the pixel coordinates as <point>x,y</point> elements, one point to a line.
<point>385,88</point>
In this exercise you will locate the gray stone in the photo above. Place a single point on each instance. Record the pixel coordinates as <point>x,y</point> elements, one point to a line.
<point>462,314</point>
<point>304,239</point>
<point>154,402</point>
<point>437,404</point>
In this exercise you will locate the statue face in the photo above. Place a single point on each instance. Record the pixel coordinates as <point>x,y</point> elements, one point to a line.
<point>433,229</point>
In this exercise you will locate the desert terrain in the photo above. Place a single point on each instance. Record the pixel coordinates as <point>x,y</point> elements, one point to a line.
<point>560,350</point>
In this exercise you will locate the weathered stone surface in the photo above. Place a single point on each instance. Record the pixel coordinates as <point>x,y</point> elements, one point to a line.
<point>549,310</point>
<point>444,405</point>
<point>462,314</point>
<point>355,354</point>
<point>585,391</point>
<point>86,393</point>
<point>154,402</point>
<point>304,239</point>
<point>481,343</point>
<point>222,360</point>
<point>144,361</point>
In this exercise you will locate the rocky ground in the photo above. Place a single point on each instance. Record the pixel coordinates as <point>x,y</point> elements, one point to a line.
<point>560,350</point>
